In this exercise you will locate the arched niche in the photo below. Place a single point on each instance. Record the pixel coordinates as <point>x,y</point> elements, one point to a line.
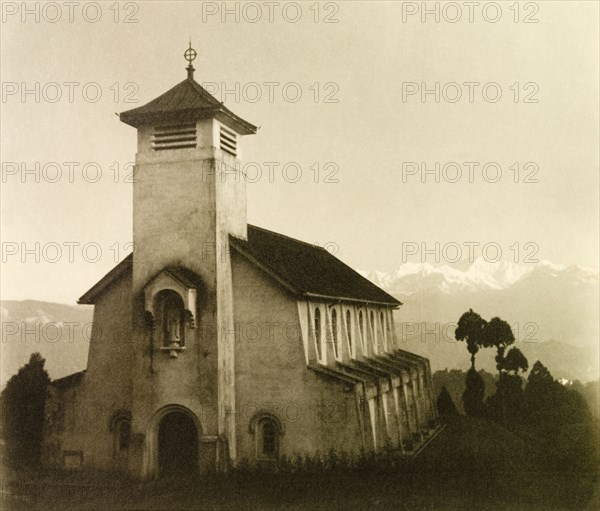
<point>170,302</point>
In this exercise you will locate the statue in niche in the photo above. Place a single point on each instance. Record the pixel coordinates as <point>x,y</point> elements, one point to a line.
<point>173,322</point>
<point>173,326</point>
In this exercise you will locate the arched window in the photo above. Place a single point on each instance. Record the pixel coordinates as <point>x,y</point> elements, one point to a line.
<point>318,331</point>
<point>334,333</point>
<point>349,332</point>
<point>373,332</point>
<point>120,426</point>
<point>383,332</point>
<point>267,438</point>
<point>388,325</point>
<point>361,326</point>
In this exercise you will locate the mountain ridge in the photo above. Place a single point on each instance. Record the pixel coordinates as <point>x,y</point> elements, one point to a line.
<point>552,308</point>
<point>412,277</point>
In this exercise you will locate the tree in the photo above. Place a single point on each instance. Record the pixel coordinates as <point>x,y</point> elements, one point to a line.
<point>473,394</point>
<point>470,329</point>
<point>23,402</point>
<point>515,361</point>
<point>454,381</point>
<point>498,333</point>
<point>551,404</point>
<point>539,377</point>
<point>508,403</point>
<point>541,393</point>
<point>445,405</point>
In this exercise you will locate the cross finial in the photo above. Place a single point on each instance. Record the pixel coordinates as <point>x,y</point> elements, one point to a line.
<point>189,55</point>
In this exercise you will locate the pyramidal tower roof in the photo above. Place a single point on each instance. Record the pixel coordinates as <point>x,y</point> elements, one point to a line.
<point>188,101</point>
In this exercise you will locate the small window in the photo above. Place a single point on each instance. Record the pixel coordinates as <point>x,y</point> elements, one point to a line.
<point>318,331</point>
<point>334,333</point>
<point>268,439</point>
<point>382,325</point>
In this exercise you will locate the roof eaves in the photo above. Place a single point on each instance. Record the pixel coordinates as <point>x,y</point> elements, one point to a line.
<point>410,355</point>
<point>137,119</point>
<point>395,304</point>
<point>248,128</point>
<point>336,374</point>
<point>393,301</point>
<point>157,111</point>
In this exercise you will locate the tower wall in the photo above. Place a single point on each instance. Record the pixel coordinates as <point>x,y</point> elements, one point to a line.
<point>186,202</point>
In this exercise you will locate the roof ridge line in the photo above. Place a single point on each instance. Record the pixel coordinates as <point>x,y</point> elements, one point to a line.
<point>327,251</point>
<point>349,268</point>
<point>313,245</point>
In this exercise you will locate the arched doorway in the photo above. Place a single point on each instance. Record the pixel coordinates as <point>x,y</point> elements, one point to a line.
<point>177,444</point>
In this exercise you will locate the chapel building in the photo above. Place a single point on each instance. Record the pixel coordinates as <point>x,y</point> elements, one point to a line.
<point>217,341</point>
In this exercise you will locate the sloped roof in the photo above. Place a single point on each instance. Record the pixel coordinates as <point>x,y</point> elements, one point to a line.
<point>187,277</point>
<point>304,269</point>
<point>187,101</point>
<point>69,380</point>
<point>307,269</point>
<point>89,297</point>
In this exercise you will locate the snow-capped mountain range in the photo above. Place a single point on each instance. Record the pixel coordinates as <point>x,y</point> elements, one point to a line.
<point>481,275</point>
<point>552,308</point>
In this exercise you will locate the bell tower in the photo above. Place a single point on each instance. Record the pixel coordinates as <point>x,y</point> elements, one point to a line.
<point>188,197</point>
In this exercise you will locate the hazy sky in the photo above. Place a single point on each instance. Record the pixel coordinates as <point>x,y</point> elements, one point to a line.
<point>373,63</point>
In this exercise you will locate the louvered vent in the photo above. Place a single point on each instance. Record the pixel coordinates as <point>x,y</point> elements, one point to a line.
<point>228,141</point>
<point>174,137</point>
